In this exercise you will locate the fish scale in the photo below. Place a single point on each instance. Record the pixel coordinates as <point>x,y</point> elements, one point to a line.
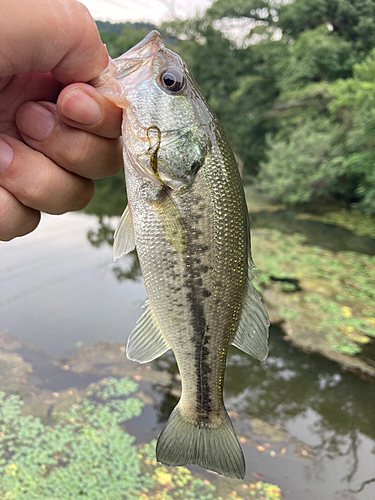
<point>188,219</point>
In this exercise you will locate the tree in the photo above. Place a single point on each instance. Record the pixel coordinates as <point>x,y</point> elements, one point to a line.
<point>352,20</point>
<point>307,165</point>
<point>130,35</point>
<point>353,104</point>
<point>238,82</point>
<point>293,88</point>
<point>317,55</point>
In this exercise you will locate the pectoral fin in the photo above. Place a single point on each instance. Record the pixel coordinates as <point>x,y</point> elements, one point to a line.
<point>171,221</point>
<point>252,332</point>
<point>146,341</point>
<point>124,241</point>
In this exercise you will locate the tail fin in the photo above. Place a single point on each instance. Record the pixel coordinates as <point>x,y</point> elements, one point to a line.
<point>213,446</point>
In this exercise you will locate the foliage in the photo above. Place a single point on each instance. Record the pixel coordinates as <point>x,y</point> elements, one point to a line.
<point>293,85</point>
<point>110,196</point>
<point>317,55</point>
<point>294,80</point>
<point>314,147</point>
<point>84,454</point>
<point>338,140</point>
<point>130,35</point>
<point>353,103</point>
<point>336,290</point>
<point>118,28</point>
<point>265,490</point>
<point>352,20</point>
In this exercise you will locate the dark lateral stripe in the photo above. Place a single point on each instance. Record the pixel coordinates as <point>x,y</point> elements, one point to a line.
<point>196,297</point>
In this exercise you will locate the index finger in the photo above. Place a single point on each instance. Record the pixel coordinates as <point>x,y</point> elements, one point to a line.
<point>83,107</point>
<point>58,36</point>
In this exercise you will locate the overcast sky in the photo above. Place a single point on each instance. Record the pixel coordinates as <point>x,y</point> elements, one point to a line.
<point>153,11</point>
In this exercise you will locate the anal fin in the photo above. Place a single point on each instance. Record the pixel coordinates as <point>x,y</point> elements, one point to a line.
<point>146,342</point>
<point>124,241</point>
<point>252,331</point>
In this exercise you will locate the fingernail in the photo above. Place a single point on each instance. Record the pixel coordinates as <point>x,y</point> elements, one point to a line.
<point>35,121</point>
<point>6,155</point>
<point>81,108</point>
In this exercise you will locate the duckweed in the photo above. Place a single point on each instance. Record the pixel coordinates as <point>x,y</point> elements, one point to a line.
<point>336,290</point>
<point>86,453</point>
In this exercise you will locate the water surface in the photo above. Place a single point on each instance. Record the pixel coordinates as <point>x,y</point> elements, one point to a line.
<point>58,289</point>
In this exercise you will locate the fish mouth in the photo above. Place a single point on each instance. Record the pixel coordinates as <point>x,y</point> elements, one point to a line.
<point>131,61</point>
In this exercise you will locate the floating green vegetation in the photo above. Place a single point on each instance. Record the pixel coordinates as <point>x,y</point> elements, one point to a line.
<point>336,291</point>
<point>86,453</point>
<point>179,483</point>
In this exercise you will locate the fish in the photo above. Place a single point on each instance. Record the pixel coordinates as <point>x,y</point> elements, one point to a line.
<point>187,217</point>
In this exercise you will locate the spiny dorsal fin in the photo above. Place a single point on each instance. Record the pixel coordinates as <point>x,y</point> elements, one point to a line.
<point>146,342</point>
<point>252,331</point>
<point>124,241</point>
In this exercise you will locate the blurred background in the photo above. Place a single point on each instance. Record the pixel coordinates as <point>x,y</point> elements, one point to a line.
<point>292,82</point>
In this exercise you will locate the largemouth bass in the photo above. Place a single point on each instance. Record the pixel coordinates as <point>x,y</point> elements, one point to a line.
<point>188,219</point>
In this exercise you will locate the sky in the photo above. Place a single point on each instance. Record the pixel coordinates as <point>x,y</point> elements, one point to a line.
<point>154,11</point>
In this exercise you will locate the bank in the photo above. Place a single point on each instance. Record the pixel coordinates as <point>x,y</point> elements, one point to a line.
<point>321,296</point>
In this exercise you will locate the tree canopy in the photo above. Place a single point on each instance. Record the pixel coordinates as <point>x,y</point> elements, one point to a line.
<point>293,83</point>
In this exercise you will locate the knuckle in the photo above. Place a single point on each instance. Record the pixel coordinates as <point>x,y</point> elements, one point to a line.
<point>112,158</point>
<point>41,189</point>
<point>15,219</point>
<point>94,157</point>
<point>81,151</point>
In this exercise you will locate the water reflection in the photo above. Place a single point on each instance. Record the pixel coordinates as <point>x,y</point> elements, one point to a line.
<point>103,235</point>
<point>57,289</point>
<point>110,200</point>
<point>309,396</point>
<point>110,196</point>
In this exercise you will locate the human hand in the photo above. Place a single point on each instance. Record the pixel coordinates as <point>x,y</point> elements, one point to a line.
<point>54,139</point>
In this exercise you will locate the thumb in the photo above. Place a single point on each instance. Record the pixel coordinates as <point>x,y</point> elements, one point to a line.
<point>56,35</point>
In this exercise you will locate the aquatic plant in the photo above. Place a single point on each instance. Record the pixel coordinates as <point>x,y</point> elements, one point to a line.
<point>265,491</point>
<point>86,453</point>
<point>336,290</point>
<point>172,483</point>
<point>179,483</point>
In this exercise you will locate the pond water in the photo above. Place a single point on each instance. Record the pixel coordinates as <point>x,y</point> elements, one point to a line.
<point>59,287</point>
<point>327,236</point>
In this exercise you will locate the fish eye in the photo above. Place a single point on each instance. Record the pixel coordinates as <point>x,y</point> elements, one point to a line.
<point>172,79</point>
